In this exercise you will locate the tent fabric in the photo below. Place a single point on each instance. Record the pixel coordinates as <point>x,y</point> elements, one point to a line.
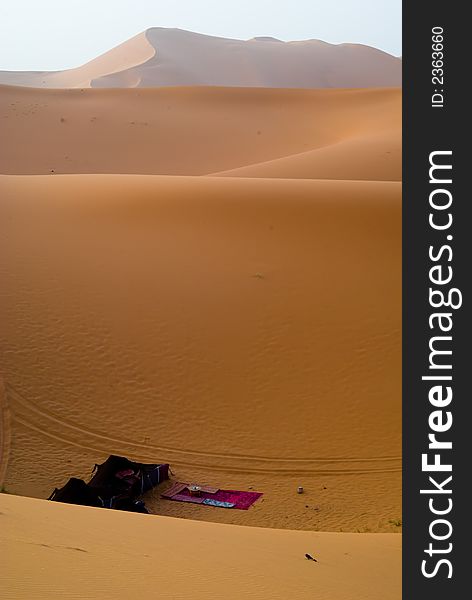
<point>146,476</point>
<point>115,484</point>
<point>76,491</point>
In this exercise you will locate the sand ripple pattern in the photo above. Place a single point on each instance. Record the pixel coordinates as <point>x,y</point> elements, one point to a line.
<point>35,417</point>
<point>5,432</point>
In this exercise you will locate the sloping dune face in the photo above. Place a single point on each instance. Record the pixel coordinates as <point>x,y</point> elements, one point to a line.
<point>76,552</point>
<point>131,53</point>
<point>245,330</point>
<point>310,134</point>
<point>173,57</point>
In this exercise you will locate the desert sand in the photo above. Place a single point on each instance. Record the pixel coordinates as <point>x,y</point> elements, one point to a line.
<point>78,552</point>
<point>210,277</point>
<point>245,330</point>
<point>311,134</point>
<point>173,57</point>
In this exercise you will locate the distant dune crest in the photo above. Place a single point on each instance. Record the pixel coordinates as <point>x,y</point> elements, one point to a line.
<point>172,57</point>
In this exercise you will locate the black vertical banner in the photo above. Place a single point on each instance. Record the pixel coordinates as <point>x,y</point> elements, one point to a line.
<point>437,254</point>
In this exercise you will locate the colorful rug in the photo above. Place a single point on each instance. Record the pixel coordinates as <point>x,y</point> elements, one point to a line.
<point>215,497</point>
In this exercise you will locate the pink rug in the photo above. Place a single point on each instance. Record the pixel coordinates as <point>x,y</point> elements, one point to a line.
<point>230,498</point>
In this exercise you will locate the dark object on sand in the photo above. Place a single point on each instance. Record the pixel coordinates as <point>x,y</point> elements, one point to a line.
<point>76,491</point>
<point>310,557</point>
<point>116,484</point>
<point>123,474</point>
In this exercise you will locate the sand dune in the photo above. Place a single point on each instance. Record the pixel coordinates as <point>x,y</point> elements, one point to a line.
<point>318,134</point>
<point>203,268</point>
<point>131,53</point>
<point>173,57</point>
<point>75,552</point>
<point>245,330</point>
<point>365,156</point>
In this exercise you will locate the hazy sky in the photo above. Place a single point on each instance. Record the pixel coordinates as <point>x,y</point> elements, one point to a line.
<point>59,34</point>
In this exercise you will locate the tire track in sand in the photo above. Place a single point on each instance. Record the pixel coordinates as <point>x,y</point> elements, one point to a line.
<point>5,432</point>
<point>50,425</point>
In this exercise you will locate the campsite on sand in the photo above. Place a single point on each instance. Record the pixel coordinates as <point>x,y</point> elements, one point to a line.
<point>207,277</point>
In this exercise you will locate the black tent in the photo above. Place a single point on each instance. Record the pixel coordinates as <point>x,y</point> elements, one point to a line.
<point>119,472</point>
<point>117,483</point>
<point>76,491</point>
